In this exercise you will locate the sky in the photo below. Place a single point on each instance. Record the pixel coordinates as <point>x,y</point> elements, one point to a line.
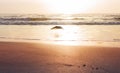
<point>59,6</point>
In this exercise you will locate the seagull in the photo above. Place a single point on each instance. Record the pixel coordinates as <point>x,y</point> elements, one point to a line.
<point>56,27</point>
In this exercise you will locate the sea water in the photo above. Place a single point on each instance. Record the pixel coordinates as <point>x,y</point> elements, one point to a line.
<point>100,29</point>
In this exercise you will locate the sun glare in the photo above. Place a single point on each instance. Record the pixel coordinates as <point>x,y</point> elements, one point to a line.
<point>67,35</point>
<point>70,6</point>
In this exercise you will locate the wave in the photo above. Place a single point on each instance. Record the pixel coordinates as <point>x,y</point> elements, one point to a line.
<point>60,19</point>
<point>58,23</point>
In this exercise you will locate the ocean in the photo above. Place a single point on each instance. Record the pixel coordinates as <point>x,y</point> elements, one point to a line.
<point>82,29</point>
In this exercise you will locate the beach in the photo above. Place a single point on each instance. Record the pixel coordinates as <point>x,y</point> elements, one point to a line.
<point>23,57</point>
<point>59,36</point>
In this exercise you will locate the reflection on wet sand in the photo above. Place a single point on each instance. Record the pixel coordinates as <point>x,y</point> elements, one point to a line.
<point>49,58</point>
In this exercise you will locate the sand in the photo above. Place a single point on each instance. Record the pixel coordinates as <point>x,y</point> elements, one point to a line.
<point>21,57</point>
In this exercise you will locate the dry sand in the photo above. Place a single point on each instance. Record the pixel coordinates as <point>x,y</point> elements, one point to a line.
<point>48,58</point>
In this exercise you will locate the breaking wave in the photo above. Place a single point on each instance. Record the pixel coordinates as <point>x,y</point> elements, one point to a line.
<point>60,19</point>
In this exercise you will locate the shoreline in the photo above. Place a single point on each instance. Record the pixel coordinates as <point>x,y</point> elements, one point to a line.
<point>109,44</point>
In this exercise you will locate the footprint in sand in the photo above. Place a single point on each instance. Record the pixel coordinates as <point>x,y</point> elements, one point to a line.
<point>85,68</point>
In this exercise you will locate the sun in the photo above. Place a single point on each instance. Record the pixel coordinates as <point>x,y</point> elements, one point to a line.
<point>70,6</point>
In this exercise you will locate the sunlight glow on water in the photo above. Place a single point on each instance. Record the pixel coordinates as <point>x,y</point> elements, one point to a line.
<point>68,33</point>
<point>62,29</point>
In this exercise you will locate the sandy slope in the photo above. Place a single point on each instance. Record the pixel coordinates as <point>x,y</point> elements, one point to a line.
<point>47,58</point>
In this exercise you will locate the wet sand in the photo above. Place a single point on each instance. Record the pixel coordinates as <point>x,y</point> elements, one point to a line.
<point>49,58</point>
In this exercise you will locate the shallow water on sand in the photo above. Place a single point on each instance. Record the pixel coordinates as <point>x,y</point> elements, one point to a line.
<point>96,34</point>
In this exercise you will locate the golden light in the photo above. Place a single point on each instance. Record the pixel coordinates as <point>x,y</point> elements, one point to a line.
<point>70,6</point>
<point>67,36</point>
